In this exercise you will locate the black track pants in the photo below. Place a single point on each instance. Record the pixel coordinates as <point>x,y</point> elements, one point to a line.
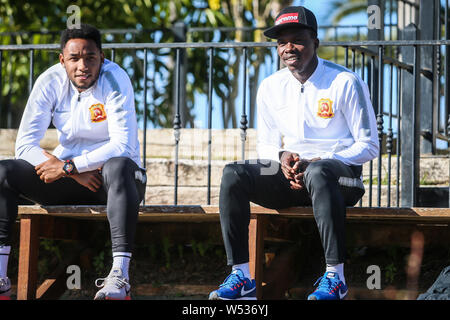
<point>330,187</point>
<point>122,191</point>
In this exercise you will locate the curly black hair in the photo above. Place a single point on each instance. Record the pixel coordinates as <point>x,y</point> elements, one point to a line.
<point>85,31</point>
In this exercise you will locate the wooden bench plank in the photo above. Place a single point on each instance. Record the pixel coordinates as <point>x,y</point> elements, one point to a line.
<point>28,257</point>
<point>156,213</point>
<point>402,215</point>
<point>33,216</point>
<point>294,212</point>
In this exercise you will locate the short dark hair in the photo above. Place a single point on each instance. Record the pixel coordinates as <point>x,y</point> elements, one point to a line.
<point>85,31</point>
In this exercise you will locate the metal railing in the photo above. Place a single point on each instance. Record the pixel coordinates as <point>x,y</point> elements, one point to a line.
<point>333,30</point>
<point>370,59</point>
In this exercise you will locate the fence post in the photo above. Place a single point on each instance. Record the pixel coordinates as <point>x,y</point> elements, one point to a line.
<point>428,113</point>
<point>448,135</point>
<point>447,65</point>
<point>376,34</point>
<point>410,115</point>
<point>179,30</point>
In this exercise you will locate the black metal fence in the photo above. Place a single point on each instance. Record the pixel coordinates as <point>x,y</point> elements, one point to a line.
<point>392,70</point>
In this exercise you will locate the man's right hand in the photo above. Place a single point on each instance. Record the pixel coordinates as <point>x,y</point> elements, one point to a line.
<point>90,179</point>
<point>289,164</point>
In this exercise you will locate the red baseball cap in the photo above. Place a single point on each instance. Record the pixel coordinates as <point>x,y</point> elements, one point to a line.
<point>294,16</point>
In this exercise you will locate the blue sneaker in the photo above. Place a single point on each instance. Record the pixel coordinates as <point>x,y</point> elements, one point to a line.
<point>235,287</point>
<point>329,288</point>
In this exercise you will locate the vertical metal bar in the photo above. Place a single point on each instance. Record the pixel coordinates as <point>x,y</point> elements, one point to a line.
<point>380,117</point>
<point>410,98</point>
<point>437,16</point>
<point>389,138</point>
<point>404,15</point>
<point>399,103</point>
<point>335,48</point>
<point>434,81</point>
<point>145,108</point>
<point>353,60</point>
<point>448,130</point>
<point>362,77</point>
<point>244,121</point>
<point>30,78</point>
<point>372,85</point>
<point>436,78</point>
<point>113,54</point>
<point>210,94</point>
<point>144,146</point>
<point>346,57</point>
<point>390,20</point>
<point>411,10</point>
<point>363,62</point>
<point>446,79</point>
<point>177,122</point>
<point>414,172</point>
<point>447,62</point>
<point>437,72</point>
<point>1,85</point>
<point>397,28</point>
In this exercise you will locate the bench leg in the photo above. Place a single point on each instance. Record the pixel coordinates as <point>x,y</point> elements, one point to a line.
<point>256,251</point>
<point>28,257</point>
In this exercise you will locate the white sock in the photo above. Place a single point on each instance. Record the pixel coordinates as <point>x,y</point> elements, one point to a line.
<point>122,260</point>
<point>244,268</point>
<point>4,256</point>
<point>337,268</point>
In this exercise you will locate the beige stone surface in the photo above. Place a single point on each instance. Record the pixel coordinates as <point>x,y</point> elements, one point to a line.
<point>160,143</point>
<point>186,195</point>
<point>226,147</point>
<point>8,140</point>
<point>161,172</point>
<point>194,144</point>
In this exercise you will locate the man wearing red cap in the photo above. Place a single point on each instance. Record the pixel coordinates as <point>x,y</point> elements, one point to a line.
<point>316,127</point>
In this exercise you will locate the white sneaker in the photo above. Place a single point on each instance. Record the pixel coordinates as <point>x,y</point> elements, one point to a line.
<point>5,289</point>
<point>114,287</point>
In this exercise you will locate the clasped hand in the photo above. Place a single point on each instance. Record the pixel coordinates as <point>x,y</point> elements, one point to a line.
<point>52,170</point>
<point>293,168</point>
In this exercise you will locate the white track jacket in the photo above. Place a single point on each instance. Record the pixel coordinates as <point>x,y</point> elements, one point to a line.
<point>93,126</point>
<point>329,116</point>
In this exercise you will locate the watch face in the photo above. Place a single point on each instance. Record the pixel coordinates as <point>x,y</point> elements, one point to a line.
<point>68,167</point>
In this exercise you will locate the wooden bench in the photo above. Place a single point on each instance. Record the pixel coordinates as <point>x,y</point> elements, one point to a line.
<point>60,222</point>
<point>393,219</point>
<point>64,222</point>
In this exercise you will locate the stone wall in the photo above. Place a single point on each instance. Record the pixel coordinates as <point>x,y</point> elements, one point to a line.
<point>226,146</point>
<point>160,143</point>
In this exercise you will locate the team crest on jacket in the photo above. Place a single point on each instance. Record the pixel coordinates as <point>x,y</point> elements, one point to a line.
<point>98,113</point>
<point>325,109</point>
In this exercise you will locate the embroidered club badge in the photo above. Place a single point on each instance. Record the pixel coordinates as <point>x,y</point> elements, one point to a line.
<point>98,113</point>
<point>325,109</point>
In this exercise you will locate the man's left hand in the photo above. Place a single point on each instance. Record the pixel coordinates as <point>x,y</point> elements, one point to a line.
<point>298,183</point>
<point>50,170</point>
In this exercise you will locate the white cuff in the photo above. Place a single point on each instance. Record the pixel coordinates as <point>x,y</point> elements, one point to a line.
<point>81,163</point>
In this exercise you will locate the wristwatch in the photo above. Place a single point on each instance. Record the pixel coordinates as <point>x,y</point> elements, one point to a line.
<point>69,167</point>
